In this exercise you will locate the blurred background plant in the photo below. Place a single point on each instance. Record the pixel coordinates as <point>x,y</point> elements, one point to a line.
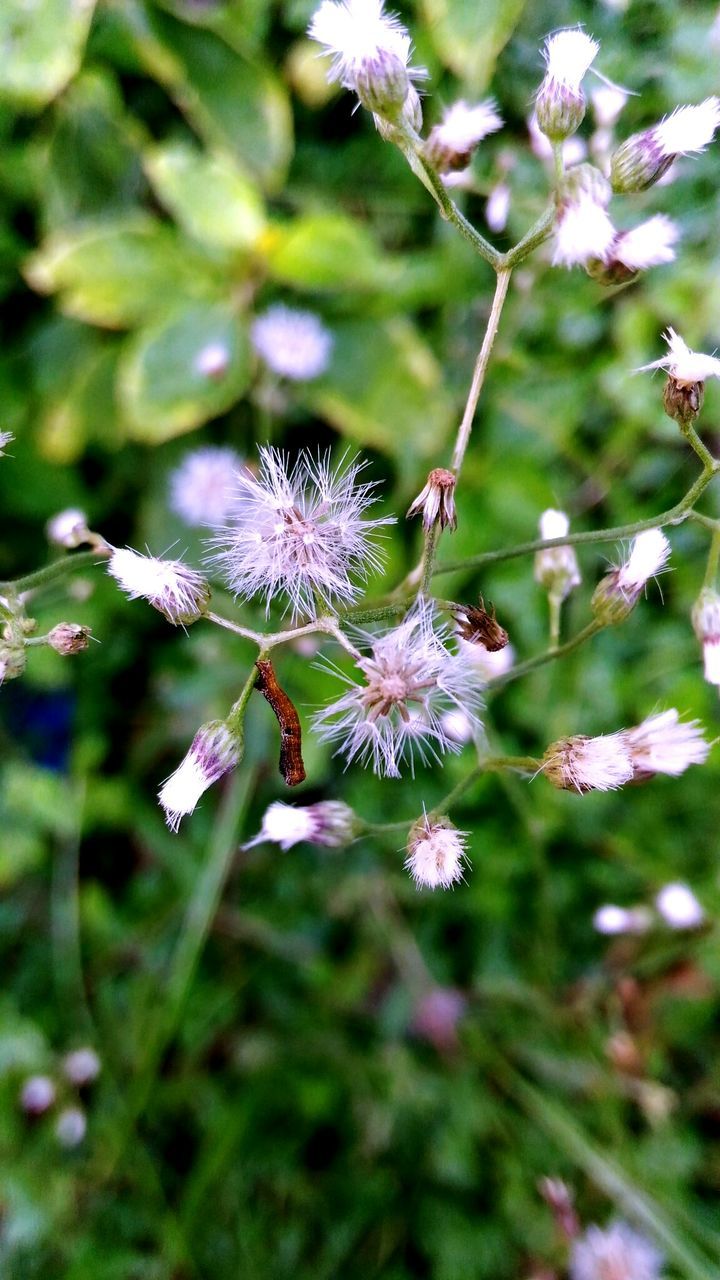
<point>306,1067</point>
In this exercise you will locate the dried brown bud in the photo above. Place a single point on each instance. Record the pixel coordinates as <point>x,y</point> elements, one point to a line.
<point>437,500</point>
<point>683,400</point>
<point>480,627</point>
<point>69,637</point>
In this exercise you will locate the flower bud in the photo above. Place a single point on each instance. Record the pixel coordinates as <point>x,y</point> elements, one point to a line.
<point>450,144</point>
<point>618,592</point>
<point>585,764</point>
<point>330,823</point>
<point>556,568</point>
<point>436,852</point>
<point>643,159</point>
<point>13,660</point>
<point>436,501</point>
<point>175,590</point>
<point>215,750</point>
<point>706,623</point>
<point>69,637</point>
<point>560,102</point>
<point>382,83</point>
<point>37,1095</point>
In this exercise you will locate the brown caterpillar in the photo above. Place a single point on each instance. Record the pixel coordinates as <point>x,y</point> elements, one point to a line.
<point>291,762</point>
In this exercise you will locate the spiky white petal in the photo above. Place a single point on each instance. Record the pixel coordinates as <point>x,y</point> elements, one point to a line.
<point>568,55</point>
<point>666,744</point>
<point>294,344</point>
<point>170,586</point>
<point>357,34</point>
<point>649,553</point>
<point>410,679</point>
<point>436,853</point>
<point>584,232</point>
<point>462,127</point>
<point>679,907</point>
<point>201,487</point>
<point>688,129</point>
<point>213,752</point>
<point>684,365</point>
<point>617,1252</point>
<point>648,245</point>
<point>298,530</point>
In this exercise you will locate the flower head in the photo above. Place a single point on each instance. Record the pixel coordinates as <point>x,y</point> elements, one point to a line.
<point>294,344</point>
<point>651,244</point>
<point>436,501</point>
<point>81,1067</point>
<point>69,638</point>
<point>71,1126</point>
<point>37,1095</point>
<point>201,487</point>
<point>679,907</point>
<point>370,50</point>
<point>617,1252</point>
<point>212,360</point>
<point>665,744</point>
<point>451,143</point>
<point>560,102</point>
<point>330,823</point>
<point>588,764</point>
<point>556,568</point>
<point>684,366</point>
<point>169,586</point>
<point>584,231</point>
<point>410,678</point>
<point>645,157</point>
<point>618,592</point>
<point>436,853</point>
<point>299,530</point>
<point>706,622</point>
<point>612,920</point>
<point>214,751</point>
<point>68,528</point>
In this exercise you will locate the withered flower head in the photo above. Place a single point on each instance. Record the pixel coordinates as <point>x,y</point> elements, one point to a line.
<point>477,626</point>
<point>436,501</point>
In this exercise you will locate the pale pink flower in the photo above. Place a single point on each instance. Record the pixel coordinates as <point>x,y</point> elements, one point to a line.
<point>650,244</point>
<point>584,232</point>
<point>202,486</point>
<point>451,143</point>
<point>329,823</point>
<point>706,622</point>
<point>560,101</point>
<point>617,1252</point>
<point>585,764</point>
<point>294,344</point>
<point>666,744</point>
<point>645,157</point>
<point>679,907</point>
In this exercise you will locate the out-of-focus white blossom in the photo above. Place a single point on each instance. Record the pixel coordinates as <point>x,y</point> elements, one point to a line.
<point>584,231</point>
<point>645,157</point>
<point>81,1066</point>
<point>68,528</point>
<point>666,744</point>
<point>409,680</point>
<point>71,1127</point>
<point>497,207</point>
<point>37,1095</point>
<point>451,143</point>
<point>330,823</point>
<point>6,438</point>
<point>651,244</point>
<point>202,486</point>
<point>214,751</point>
<point>679,907</point>
<point>706,622</point>
<point>612,920</point>
<point>170,586</point>
<point>686,367</point>
<point>487,664</point>
<point>556,568</point>
<point>298,530</point>
<point>436,853</point>
<point>294,344</point>
<point>608,101</point>
<point>212,360</point>
<point>617,1252</point>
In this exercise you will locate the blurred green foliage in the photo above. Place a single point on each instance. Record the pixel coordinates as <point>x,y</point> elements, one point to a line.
<point>270,1104</point>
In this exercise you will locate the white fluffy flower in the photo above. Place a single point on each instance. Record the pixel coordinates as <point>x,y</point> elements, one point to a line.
<point>68,528</point>
<point>584,232</point>
<point>202,486</point>
<point>169,586</point>
<point>617,1252</point>
<point>294,344</point>
<point>686,367</point>
<point>6,437</point>
<point>645,157</point>
<point>436,853</point>
<point>37,1095</point>
<point>498,207</point>
<point>329,823</point>
<point>688,129</point>
<point>589,764</point>
<point>462,128</point>
<point>71,1127</point>
<point>666,744</point>
<point>612,920</point>
<point>556,568</point>
<point>706,622</point>
<point>568,55</point>
<point>651,244</point>
<point>487,664</point>
<point>649,554</point>
<point>370,52</point>
<point>409,680</point>
<point>299,530</point>
<point>212,360</point>
<point>214,751</point>
<point>679,907</point>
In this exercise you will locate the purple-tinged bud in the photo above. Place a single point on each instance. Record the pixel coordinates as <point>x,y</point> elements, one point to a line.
<point>330,824</point>
<point>560,102</point>
<point>706,624</point>
<point>451,143</point>
<point>643,159</point>
<point>215,750</point>
<point>176,591</point>
<point>556,568</point>
<point>436,501</point>
<point>69,637</point>
<point>618,592</point>
<point>585,764</point>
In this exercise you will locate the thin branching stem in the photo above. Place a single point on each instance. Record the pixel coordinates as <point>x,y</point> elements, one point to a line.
<point>481,364</point>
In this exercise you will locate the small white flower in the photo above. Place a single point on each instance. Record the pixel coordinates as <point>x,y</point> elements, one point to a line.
<point>462,128</point>
<point>37,1095</point>
<point>213,753</point>
<point>589,764</point>
<point>71,1127</point>
<point>556,568</point>
<point>649,554</point>
<point>298,530</point>
<point>616,1252</point>
<point>568,55</point>
<point>487,664</point>
<point>201,487</point>
<point>68,528</point>
<point>81,1067</point>
<point>688,129</point>
<point>498,207</point>
<point>584,232</point>
<point>294,344</point>
<point>370,50</point>
<point>6,438</point>
<point>436,853</point>
<point>686,367</point>
<point>612,920</point>
<point>706,622</point>
<point>648,245</point>
<point>608,101</point>
<point>170,586</point>
<point>330,823</point>
<point>409,680</point>
<point>679,907</point>
<point>665,744</point>
<point>212,360</point>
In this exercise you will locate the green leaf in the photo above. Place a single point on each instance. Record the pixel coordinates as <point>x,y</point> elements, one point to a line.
<point>324,251</point>
<point>162,390</point>
<point>42,42</point>
<point>118,273</point>
<point>385,390</point>
<point>469,37</point>
<point>207,194</point>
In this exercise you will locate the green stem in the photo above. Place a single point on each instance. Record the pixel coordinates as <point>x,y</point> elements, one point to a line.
<point>491,764</point>
<point>434,183</point>
<point>555,603</point>
<point>432,536</point>
<point>708,461</point>
<point>236,714</point>
<point>54,572</point>
<point>532,239</point>
<point>711,571</point>
<point>481,364</point>
<point>558,651</point>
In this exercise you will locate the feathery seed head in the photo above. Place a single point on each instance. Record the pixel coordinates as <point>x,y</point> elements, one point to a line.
<point>201,487</point>
<point>436,853</point>
<point>215,750</point>
<point>706,623</point>
<point>410,679</point>
<point>170,586</point>
<point>299,530</point>
<point>617,1252</point>
<point>560,102</point>
<point>618,592</point>
<point>451,143</point>
<point>556,568</point>
<point>330,823</point>
<point>640,161</point>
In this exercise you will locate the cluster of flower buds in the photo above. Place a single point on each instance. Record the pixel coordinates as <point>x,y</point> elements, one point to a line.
<point>436,853</point>
<point>39,1094</point>
<point>661,744</point>
<point>330,824</point>
<point>618,592</point>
